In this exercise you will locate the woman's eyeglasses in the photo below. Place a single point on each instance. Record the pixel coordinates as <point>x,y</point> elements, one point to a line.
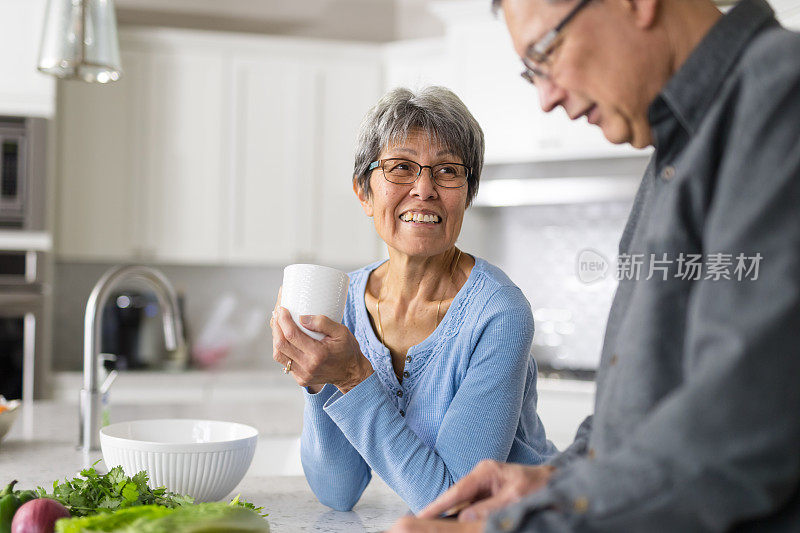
<point>406,172</point>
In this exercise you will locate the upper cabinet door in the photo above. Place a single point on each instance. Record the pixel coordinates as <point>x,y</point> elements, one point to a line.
<point>272,114</point>
<point>181,162</point>
<point>24,91</point>
<point>347,89</point>
<point>98,185</point>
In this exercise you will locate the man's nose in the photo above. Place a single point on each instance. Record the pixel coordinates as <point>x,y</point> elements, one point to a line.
<point>550,94</point>
<point>424,187</point>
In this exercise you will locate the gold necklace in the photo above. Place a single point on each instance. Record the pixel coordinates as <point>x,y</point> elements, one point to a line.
<point>438,306</point>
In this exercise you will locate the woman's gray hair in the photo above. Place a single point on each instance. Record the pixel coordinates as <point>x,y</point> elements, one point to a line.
<point>436,111</point>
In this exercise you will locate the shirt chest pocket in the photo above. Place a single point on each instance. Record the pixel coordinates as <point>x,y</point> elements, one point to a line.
<point>676,217</point>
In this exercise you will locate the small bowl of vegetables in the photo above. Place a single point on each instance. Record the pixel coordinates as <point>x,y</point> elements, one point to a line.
<point>8,414</point>
<point>204,459</point>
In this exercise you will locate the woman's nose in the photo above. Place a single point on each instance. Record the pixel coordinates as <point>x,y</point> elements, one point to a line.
<point>424,187</point>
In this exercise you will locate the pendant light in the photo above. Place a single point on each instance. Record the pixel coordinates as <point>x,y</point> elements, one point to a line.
<point>80,41</point>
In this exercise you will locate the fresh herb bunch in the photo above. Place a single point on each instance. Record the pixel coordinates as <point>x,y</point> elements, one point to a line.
<point>247,505</point>
<point>97,493</point>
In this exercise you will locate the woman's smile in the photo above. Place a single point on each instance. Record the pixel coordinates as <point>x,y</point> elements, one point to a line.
<point>420,218</point>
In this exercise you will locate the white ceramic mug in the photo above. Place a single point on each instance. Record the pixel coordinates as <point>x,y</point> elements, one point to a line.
<point>314,290</point>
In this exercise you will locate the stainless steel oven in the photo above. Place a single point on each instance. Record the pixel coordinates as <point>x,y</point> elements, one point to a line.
<point>22,173</point>
<point>25,260</point>
<point>21,335</point>
<point>23,328</point>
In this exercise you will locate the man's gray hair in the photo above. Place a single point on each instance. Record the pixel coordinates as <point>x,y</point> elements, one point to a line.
<point>435,111</point>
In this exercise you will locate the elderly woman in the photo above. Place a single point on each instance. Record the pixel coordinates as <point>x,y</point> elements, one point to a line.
<point>430,371</point>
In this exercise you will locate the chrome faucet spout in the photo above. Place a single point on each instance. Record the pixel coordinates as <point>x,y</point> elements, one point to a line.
<point>92,329</point>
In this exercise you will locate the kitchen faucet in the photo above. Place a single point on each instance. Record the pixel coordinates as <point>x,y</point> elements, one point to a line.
<point>91,393</point>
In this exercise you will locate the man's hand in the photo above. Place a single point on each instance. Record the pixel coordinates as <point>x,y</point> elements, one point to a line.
<point>409,524</point>
<point>488,488</point>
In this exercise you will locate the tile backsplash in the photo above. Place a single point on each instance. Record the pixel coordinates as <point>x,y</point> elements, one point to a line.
<point>249,292</point>
<point>538,247</point>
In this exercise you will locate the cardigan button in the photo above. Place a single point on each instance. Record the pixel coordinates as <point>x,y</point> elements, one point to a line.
<point>399,394</point>
<point>402,413</point>
<point>408,359</point>
<point>406,374</point>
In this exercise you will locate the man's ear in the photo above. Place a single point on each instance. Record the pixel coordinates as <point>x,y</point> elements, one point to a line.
<point>645,12</point>
<point>363,198</point>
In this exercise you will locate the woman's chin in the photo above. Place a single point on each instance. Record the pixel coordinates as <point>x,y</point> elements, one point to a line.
<point>422,249</point>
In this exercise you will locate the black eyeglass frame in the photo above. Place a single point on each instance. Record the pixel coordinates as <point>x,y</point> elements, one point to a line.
<point>539,52</point>
<point>380,163</point>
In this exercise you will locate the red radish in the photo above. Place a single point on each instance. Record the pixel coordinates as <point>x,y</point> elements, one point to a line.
<point>38,516</point>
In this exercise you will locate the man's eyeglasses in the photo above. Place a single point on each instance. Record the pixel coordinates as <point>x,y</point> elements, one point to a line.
<point>537,57</point>
<point>406,172</point>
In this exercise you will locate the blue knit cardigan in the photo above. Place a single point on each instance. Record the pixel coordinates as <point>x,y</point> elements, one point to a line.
<point>468,393</point>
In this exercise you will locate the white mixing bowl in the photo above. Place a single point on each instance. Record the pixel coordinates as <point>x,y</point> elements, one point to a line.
<point>204,459</point>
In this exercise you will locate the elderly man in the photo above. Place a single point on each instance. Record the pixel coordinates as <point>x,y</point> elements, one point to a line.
<point>697,415</point>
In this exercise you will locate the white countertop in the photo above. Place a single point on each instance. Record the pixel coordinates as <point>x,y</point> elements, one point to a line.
<point>48,452</point>
<point>41,447</point>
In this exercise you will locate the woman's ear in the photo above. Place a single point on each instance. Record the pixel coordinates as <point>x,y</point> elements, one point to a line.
<point>363,198</point>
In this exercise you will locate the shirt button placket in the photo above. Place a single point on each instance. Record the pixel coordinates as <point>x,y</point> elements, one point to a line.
<point>581,504</point>
<point>399,393</point>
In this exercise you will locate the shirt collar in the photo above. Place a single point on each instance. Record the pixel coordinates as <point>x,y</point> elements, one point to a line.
<point>690,92</point>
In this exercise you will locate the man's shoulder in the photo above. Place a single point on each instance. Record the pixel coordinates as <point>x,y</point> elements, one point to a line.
<point>773,55</point>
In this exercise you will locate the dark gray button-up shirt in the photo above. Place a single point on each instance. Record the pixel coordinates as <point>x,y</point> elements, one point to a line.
<point>697,415</point>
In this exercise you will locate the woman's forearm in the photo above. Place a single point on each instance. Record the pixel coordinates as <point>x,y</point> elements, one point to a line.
<point>334,470</point>
<point>415,471</point>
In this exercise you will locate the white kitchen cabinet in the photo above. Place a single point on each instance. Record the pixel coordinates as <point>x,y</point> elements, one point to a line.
<point>294,133</point>
<point>140,163</point>
<point>346,235</point>
<point>217,148</point>
<point>98,187</point>
<point>272,161</point>
<point>416,64</point>
<point>181,158</point>
<point>24,91</point>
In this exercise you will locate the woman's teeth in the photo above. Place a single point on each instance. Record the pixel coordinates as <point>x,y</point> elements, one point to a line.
<point>418,217</point>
